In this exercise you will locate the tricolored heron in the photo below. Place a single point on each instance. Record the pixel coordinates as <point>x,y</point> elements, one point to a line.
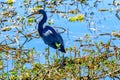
<point>49,35</point>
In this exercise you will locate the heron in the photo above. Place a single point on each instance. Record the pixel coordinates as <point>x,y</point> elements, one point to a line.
<point>50,36</point>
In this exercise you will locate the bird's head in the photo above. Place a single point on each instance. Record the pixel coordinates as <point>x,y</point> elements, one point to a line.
<point>41,11</point>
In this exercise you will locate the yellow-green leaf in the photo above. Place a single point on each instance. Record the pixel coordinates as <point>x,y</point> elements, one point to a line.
<point>50,22</point>
<point>30,20</point>
<point>10,1</point>
<point>79,17</point>
<point>72,19</point>
<point>22,18</point>
<point>57,45</point>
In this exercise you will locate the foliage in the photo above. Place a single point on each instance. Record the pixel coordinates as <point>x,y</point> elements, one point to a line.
<point>79,17</point>
<point>87,59</point>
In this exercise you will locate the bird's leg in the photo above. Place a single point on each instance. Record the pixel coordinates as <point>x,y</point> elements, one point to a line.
<point>57,52</point>
<point>63,56</point>
<point>47,55</point>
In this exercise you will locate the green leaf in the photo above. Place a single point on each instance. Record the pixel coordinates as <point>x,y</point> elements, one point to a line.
<point>22,18</point>
<point>38,7</point>
<point>13,72</point>
<point>106,62</point>
<point>30,20</point>
<point>113,61</point>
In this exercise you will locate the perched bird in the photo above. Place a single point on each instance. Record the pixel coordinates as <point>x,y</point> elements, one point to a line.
<point>49,35</point>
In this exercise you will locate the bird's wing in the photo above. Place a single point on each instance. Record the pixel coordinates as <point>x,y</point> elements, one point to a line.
<point>50,36</point>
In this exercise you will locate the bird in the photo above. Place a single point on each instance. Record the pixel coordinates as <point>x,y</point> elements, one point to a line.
<point>50,36</point>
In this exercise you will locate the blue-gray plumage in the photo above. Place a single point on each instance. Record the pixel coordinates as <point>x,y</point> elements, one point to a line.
<point>50,36</point>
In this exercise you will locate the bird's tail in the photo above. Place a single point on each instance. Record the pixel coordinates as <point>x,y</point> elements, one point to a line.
<point>62,49</point>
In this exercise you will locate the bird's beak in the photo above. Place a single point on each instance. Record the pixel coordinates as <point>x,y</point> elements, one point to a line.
<point>33,14</point>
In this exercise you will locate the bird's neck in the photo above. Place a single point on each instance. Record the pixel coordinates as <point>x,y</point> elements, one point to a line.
<point>44,19</point>
<point>41,23</point>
